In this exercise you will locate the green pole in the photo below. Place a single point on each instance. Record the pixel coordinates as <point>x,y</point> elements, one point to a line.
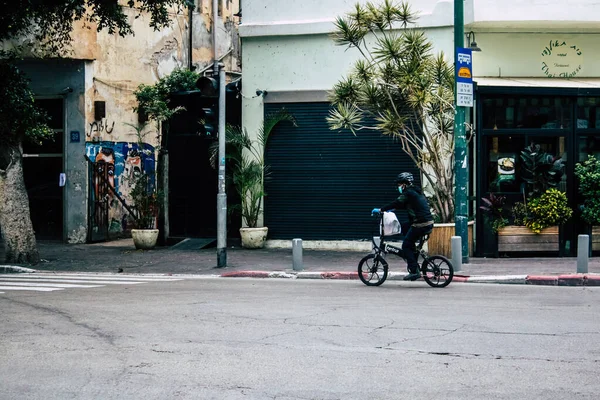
<point>461,160</point>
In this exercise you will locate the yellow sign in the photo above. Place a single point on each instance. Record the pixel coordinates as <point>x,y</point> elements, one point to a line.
<point>464,72</point>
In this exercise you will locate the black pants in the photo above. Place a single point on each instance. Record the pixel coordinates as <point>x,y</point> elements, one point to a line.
<point>410,248</point>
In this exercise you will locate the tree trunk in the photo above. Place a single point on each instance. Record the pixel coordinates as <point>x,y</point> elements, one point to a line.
<point>15,220</point>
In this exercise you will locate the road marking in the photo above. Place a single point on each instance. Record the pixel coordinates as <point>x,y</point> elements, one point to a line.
<point>82,280</point>
<point>48,282</point>
<point>34,289</point>
<point>45,284</point>
<point>112,277</point>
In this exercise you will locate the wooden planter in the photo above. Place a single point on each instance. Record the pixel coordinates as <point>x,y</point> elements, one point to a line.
<point>521,238</point>
<point>440,239</point>
<point>595,238</point>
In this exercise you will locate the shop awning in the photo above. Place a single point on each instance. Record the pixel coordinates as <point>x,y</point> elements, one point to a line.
<point>584,83</point>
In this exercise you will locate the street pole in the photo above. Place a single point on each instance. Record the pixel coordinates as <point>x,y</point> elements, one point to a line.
<point>461,160</point>
<point>221,196</point>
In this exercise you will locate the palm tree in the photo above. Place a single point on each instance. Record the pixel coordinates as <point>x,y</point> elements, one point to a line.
<point>404,88</point>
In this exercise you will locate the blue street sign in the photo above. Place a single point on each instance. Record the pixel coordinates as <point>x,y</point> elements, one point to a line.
<point>464,65</point>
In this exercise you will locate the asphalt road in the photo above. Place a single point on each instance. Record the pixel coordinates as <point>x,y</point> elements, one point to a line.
<point>290,339</point>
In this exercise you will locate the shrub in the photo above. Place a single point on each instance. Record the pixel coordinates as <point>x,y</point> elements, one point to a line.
<point>588,173</point>
<point>493,208</point>
<point>549,209</point>
<point>519,213</point>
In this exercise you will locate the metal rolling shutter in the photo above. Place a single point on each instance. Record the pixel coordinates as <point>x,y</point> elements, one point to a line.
<point>323,183</point>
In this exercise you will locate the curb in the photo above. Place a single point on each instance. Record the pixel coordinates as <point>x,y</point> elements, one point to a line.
<point>546,280</point>
<point>12,269</point>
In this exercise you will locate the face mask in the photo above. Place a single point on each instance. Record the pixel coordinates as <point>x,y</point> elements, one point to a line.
<point>400,189</point>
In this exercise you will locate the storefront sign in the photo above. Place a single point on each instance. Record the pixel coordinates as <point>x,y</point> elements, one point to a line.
<point>561,59</point>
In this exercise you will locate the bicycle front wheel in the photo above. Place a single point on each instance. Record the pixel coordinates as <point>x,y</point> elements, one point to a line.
<point>372,270</point>
<point>437,271</point>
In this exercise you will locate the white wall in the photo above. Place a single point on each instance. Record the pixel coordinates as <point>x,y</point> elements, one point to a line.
<point>521,55</point>
<point>550,12</point>
<point>271,11</point>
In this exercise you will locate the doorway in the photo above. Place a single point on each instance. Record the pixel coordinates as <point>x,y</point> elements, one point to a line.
<point>42,165</point>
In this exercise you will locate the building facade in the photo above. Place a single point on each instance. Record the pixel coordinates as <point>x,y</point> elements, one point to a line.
<point>89,96</point>
<point>537,80</point>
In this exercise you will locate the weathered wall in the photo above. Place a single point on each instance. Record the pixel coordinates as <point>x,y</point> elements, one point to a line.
<point>109,68</point>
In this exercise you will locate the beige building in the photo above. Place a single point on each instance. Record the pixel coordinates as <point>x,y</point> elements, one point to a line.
<point>90,98</point>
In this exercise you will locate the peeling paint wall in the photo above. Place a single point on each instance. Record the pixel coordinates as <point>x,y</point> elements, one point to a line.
<point>109,69</point>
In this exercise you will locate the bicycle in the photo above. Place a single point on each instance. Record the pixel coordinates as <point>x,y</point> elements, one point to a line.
<point>436,270</point>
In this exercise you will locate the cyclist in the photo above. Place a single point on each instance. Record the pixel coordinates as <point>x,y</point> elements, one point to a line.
<point>421,222</point>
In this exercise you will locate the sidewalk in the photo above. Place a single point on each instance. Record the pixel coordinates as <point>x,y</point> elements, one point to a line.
<point>121,256</point>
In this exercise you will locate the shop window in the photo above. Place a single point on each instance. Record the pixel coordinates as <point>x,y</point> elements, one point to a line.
<point>527,112</point>
<point>588,145</point>
<point>504,160</point>
<point>588,113</point>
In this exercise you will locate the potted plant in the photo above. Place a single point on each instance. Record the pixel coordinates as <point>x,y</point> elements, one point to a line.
<point>247,171</point>
<point>146,203</point>
<point>588,175</point>
<point>493,208</point>
<point>141,190</point>
<point>401,88</point>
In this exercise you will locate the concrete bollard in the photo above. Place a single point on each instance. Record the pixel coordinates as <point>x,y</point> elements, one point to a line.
<point>456,244</point>
<point>583,244</point>
<point>297,255</point>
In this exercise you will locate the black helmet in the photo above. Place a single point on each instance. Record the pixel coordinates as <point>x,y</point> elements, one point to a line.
<point>405,177</point>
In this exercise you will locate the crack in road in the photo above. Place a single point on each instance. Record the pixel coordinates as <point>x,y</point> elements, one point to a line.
<point>498,357</point>
<point>96,331</point>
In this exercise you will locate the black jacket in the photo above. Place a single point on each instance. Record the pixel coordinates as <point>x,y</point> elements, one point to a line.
<point>413,201</point>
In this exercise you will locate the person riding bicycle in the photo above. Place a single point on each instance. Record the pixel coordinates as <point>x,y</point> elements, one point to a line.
<point>421,222</point>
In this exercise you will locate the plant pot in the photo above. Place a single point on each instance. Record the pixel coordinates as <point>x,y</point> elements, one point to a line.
<point>521,238</point>
<point>144,239</point>
<point>254,238</point>
<point>440,239</point>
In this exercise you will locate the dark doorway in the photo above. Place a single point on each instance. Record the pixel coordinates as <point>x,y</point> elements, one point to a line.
<point>42,166</point>
<point>192,187</point>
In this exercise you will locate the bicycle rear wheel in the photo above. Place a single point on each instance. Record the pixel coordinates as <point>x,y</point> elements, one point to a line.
<point>437,271</point>
<point>372,270</point>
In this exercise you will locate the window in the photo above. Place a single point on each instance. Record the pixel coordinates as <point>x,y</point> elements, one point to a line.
<point>588,113</point>
<point>527,112</point>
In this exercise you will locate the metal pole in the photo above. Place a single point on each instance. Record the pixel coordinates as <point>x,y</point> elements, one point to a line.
<point>191,37</point>
<point>215,16</point>
<point>221,196</point>
<point>461,160</point>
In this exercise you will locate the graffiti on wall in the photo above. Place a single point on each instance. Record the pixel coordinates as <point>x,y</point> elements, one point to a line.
<point>123,162</point>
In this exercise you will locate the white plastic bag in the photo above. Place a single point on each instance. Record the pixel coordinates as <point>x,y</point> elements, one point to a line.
<point>391,225</point>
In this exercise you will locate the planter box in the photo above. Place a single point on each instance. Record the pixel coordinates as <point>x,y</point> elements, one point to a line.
<point>521,238</point>
<point>595,238</point>
<point>440,239</point>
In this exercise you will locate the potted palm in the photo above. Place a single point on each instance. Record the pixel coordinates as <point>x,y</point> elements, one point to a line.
<point>141,190</point>
<point>399,87</point>
<point>145,205</point>
<point>247,171</point>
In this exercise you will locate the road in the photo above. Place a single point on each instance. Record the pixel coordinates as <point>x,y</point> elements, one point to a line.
<point>216,338</point>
